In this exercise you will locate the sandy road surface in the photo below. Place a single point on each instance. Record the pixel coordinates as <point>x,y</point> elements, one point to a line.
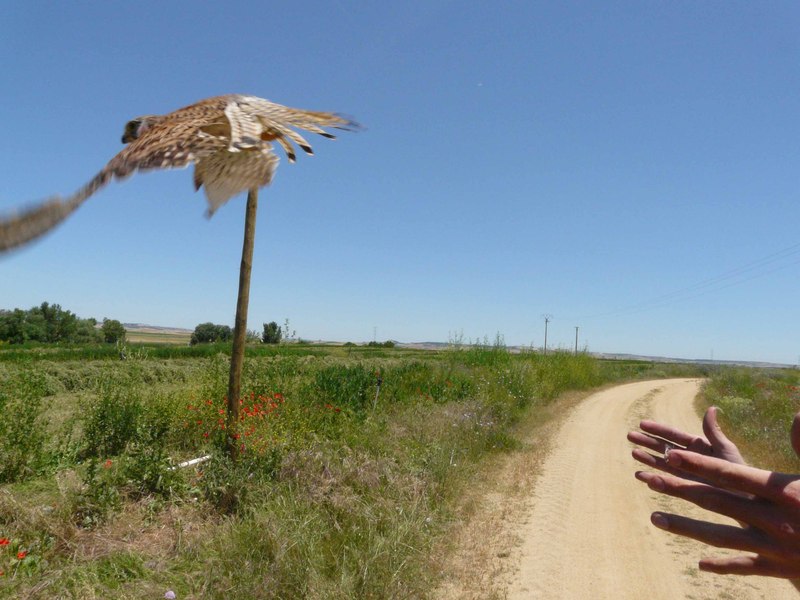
<point>587,533</point>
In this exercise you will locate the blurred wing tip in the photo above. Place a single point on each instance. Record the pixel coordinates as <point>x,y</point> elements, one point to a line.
<point>349,124</point>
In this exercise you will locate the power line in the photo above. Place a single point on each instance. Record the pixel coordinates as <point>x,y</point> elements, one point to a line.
<point>730,278</point>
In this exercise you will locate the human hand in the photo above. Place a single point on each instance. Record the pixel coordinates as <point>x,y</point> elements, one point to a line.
<point>663,438</point>
<point>766,503</point>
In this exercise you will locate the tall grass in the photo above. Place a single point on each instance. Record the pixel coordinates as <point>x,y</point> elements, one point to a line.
<point>757,408</point>
<point>349,470</point>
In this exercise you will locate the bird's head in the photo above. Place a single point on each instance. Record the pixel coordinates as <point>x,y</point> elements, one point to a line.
<point>136,127</point>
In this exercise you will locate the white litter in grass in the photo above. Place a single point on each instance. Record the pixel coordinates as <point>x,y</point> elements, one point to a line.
<point>189,463</point>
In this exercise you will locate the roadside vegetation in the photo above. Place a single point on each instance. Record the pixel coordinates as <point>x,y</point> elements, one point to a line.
<point>352,462</point>
<point>757,408</point>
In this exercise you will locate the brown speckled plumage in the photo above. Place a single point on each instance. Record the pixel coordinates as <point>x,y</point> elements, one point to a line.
<point>228,138</point>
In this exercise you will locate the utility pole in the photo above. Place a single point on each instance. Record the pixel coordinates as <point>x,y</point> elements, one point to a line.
<point>240,326</point>
<point>576,340</point>
<point>546,321</point>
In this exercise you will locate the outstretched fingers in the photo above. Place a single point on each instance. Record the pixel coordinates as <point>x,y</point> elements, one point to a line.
<point>771,558</point>
<point>781,488</point>
<point>676,436</point>
<point>751,565</point>
<point>656,461</point>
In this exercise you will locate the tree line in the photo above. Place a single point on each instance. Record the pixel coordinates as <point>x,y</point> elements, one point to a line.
<point>51,324</point>
<point>207,333</point>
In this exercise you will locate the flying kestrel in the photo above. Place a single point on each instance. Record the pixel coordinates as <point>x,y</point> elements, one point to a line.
<point>229,139</point>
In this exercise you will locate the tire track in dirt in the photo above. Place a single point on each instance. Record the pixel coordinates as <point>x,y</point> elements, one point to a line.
<point>588,533</point>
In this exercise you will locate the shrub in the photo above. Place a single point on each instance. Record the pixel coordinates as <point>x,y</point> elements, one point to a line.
<point>111,419</point>
<point>22,433</point>
<point>113,331</point>
<point>342,386</point>
<point>208,332</point>
<point>272,333</point>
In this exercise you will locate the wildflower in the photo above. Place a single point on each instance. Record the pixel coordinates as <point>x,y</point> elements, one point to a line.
<point>22,554</point>
<point>107,464</point>
<point>205,435</point>
<point>4,541</point>
<point>170,595</point>
<point>277,396</point>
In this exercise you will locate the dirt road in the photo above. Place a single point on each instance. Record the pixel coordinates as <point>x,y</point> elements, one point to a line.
<point>586,532</point>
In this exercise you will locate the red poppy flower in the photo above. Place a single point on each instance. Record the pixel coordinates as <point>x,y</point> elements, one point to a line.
<point>4,541</point>
<point>22,554</point>
<point>107,464</point>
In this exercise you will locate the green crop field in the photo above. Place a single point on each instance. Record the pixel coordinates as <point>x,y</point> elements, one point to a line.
<point>352,462</point>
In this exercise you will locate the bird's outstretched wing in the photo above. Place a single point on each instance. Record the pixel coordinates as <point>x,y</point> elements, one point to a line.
<point>166,145</point>
<point>28,224</point>
<point>254,119</point>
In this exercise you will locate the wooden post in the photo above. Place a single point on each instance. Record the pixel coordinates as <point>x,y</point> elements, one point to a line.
<point>240,326</point>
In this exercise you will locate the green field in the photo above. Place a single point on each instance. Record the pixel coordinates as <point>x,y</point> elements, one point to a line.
<point>344,489</point>
<point>756,411</point>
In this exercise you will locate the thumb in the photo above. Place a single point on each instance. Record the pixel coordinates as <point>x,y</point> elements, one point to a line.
<point>713,431</point>
<point>721,446</point>
<point>795,435</point>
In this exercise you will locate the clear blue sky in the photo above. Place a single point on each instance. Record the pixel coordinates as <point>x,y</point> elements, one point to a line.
<point>630,168</point>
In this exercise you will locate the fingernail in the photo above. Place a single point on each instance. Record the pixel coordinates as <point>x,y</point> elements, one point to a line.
<point>659,521</point>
